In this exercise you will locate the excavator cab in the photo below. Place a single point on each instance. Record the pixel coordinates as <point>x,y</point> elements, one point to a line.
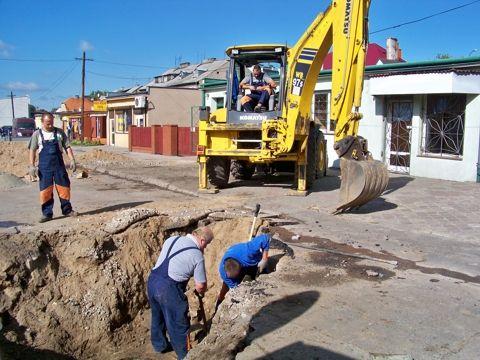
<point>272,61</point>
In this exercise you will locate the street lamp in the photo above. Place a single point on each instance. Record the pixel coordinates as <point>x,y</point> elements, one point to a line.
<point>473,51</point>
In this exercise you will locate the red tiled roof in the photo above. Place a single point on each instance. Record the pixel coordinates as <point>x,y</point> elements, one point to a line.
<point>374,53</point>
<point>74,104</point>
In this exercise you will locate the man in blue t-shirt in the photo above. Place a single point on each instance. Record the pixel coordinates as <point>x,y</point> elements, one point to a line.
<point>242,259</point>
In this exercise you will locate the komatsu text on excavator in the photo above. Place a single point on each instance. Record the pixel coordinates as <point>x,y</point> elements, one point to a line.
<point>281,132</point>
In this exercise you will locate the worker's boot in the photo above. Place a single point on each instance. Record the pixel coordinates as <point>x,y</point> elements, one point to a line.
<point>72,213</point>
<point>258,108</point>
<point>44,218</point>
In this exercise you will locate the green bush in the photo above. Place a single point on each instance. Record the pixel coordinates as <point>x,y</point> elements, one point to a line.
<point>85,143</point>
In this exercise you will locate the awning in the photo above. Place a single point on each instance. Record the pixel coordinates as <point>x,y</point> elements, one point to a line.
<point>425,83</point>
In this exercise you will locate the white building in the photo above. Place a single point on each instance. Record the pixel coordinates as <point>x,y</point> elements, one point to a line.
<point>21,107</point>
<point>421,118</point>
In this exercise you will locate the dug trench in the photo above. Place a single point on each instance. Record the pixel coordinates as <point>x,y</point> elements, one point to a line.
<point>80,293</point>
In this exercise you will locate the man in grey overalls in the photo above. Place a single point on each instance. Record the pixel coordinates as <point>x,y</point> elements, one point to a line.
<point>261,88</point>
<point>180,259</point>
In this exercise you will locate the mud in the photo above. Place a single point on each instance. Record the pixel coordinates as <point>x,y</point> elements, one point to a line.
<point>348,251</point>
<point>81,293</point>
<point>351,266</point>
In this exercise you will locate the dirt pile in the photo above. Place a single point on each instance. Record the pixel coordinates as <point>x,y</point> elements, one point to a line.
<point>81,292</point>
<point>102,158</point>
<point>14,157</point>
<point>9,181</point>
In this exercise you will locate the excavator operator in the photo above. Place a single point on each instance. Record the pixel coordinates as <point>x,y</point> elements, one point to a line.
<point>261,87</point>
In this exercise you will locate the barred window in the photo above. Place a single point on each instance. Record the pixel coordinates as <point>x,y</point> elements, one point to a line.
<point>443,128</point>
<point>321,111</point>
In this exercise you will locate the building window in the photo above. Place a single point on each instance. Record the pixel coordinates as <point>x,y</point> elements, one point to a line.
<point>443,128</point>
<point>218,102</point>
<point>321,111</point>
<point>123,119</point>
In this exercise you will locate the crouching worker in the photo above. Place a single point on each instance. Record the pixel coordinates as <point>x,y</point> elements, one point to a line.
<point>243,259</point>
<point>180,259</point>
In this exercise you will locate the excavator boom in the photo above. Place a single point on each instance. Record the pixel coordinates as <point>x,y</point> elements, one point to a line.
<point>344,25</point>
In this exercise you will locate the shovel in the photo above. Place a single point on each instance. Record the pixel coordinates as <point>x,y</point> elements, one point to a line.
<point>255,215</point>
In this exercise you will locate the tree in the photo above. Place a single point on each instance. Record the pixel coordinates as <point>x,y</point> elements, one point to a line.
<point>96,94</point>
<point>443,56</point>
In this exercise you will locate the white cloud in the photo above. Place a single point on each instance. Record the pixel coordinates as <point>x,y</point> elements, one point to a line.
<point>86,46</point>
<point>21,86</point>
<point>5,49</point>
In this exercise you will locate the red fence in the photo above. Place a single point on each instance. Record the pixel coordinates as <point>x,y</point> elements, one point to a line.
<point>166,140</point>
<point>141,139</point>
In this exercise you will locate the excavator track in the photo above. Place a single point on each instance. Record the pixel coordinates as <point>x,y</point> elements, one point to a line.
<point>362,181</point>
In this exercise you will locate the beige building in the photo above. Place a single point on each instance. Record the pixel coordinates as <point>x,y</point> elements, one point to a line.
<point>125,108</point>
<point>175,95</point>
<point>172,106</point>
<point>171,98</point>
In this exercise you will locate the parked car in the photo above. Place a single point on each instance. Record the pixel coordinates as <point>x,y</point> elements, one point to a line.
<point>6,132</point>
<point>23,127</point>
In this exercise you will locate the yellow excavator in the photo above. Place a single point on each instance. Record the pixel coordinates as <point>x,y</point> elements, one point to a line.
<point>282,133</point>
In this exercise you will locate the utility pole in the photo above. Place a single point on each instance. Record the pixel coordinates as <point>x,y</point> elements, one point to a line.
<point>13,107</point>
<point>82,120</point>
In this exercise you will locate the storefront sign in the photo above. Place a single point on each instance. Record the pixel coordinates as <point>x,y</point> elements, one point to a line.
<point>100,105</point>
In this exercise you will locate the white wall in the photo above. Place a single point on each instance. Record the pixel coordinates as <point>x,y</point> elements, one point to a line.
<point>464,169</point>
<point>20,104</point>
<point>373,128</point>
<point>372,125</point>
<point>432,83</point>
<point>209,95</point>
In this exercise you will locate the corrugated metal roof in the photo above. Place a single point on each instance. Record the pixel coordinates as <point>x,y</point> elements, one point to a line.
<point>193,74</point>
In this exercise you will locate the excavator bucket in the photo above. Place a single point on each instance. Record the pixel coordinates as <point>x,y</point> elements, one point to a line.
<point>362,181</point>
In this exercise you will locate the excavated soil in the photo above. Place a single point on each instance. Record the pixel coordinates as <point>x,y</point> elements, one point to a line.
<point>99,157</point>
<point>14,158</point>
<point>80,293</point>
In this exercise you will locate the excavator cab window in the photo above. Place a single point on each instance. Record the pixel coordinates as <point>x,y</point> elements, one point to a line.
<point>272,65</point>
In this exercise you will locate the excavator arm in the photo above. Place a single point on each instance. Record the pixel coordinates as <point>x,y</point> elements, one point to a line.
<point>344,25</point>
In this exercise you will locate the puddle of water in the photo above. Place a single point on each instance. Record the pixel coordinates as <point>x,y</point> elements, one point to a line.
<point>324,244</point>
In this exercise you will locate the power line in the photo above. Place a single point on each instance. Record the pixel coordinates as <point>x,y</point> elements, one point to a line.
<point>97,61</point>
<point>58,81</point>
<point>133,65</point>
<point>37,60</point>
<point>426,17</point>
<point>119,77</point>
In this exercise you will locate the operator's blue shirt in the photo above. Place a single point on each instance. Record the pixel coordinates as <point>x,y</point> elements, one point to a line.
<point>247,254</point>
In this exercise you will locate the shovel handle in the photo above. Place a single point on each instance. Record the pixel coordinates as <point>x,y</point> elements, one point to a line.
<point>257,210</point>
<point>255,215</point>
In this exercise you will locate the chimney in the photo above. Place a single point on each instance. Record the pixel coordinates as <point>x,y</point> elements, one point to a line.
<point>392,49</point>
<point>399,54</point>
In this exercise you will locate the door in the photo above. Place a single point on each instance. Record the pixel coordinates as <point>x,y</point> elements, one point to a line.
<point>398,139</point>
<point>112,128</point>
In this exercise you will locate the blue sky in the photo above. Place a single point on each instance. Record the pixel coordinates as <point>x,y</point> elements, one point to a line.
<point>156,33</point>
